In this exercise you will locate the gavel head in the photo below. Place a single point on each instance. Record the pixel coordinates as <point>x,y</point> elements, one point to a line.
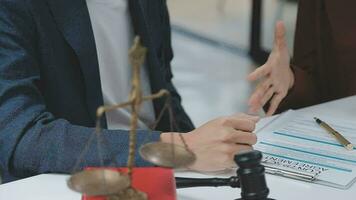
<point>251,175</point>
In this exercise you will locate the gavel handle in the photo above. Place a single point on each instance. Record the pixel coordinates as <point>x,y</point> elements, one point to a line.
<point>207,182</point>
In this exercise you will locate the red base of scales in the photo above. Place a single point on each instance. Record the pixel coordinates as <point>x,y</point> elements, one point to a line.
<point>158,183</point>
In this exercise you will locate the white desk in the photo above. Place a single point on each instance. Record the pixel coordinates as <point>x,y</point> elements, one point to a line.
<point>44,187</point>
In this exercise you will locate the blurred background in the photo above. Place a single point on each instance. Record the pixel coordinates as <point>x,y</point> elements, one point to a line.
<point>217,43</point>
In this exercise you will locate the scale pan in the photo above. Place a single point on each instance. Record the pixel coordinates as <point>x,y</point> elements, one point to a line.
<point>167,155</point>
<point>98,182</point>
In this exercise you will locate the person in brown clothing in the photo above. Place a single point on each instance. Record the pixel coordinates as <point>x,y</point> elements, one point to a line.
<point>323,67</point>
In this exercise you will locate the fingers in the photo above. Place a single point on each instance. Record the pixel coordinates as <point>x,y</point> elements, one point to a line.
<point>261,89</point>
<point>239,130</point>
<point>239,137</point>
<point>267,96</point>
<point>253,118</point>
<point>243,148</point>
<point>276,100</point>
<point>238,123</point>
<point>279,35</point>
<point>256,98</point>
<point>230,150</point>
<point>260,72</point>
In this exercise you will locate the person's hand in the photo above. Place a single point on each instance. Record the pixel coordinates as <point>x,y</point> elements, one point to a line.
<point>276,76</point>
<point>216,142</point>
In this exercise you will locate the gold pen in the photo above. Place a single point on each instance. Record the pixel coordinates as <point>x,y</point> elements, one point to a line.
<point>337,135</point>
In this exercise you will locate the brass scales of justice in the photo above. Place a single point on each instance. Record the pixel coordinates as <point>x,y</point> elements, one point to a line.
<point>115,185</point>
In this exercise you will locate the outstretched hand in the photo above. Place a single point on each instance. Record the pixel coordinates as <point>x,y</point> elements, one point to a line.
<point>275,76</point>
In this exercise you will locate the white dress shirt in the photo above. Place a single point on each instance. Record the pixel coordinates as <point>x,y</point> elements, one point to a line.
<point>113,35</point>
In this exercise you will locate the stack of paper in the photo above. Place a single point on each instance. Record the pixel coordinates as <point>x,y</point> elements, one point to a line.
<point>295,142</point>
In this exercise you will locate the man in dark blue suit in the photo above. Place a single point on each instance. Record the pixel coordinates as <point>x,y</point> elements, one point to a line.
<point>51,85</point>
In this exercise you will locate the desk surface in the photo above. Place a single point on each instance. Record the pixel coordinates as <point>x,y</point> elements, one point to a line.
<point>44,187</point>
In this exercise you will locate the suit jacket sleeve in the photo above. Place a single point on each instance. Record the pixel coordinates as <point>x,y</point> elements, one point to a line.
<point>304,91</point>
<point>32,140</point>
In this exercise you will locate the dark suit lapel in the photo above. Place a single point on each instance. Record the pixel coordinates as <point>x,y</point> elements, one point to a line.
<point>72,18</point>
<point>138,11</point>
<point>143,15</point>
<point>141,20</point>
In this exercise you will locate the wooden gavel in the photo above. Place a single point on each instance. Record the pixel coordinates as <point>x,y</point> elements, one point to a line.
<point>250,178</point>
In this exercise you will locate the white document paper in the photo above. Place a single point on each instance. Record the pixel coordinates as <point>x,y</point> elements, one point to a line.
<point>296,142</point>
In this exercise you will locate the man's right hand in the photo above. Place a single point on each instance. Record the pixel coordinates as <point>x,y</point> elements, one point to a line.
<point>216,142</point>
